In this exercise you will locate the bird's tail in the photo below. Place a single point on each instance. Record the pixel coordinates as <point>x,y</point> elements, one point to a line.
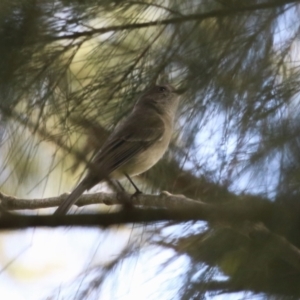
<point>72,198</point>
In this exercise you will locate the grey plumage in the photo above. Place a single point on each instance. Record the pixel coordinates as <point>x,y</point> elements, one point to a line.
<point>135,145</point>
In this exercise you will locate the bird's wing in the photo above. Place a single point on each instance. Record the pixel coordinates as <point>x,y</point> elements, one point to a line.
<point>131,138</point>
<point>123,144</point>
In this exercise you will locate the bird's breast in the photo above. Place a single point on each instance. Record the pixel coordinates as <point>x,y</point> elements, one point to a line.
<point>144,160</point>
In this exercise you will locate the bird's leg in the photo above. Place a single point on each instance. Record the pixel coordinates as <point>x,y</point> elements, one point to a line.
<point>137,190</point>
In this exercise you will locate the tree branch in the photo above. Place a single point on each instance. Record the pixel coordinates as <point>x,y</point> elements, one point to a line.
<point>179,209</point>
<point>167,208</point>
<point>221,13</point>
<point>165,200</point>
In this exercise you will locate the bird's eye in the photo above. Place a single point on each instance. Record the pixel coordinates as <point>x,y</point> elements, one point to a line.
<point>162,89</point>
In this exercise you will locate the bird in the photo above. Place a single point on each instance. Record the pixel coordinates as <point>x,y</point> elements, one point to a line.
<point>135,145</point>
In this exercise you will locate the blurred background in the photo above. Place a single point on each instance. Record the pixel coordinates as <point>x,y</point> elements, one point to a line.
<point>70,70</point>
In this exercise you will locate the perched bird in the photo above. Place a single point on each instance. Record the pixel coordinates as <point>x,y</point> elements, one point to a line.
<point>135,145</point>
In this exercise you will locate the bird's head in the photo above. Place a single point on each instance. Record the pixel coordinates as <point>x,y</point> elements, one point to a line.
<point>162,98</point>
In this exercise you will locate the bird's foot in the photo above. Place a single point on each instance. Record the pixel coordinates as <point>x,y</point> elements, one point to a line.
<point>136,194</point>
<point>126,199</point>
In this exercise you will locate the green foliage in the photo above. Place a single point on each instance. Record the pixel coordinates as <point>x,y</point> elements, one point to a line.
<point>70,69</point>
